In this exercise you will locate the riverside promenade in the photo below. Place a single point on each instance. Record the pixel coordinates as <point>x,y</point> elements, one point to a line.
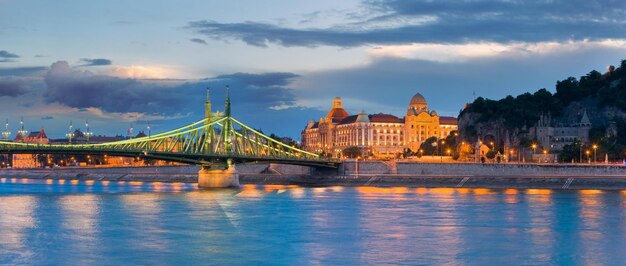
<point>367,173</point>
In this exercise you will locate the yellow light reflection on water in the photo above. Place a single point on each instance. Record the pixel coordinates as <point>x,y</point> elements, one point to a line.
<point>511,191</point>
<point>105,183</point>
<point>13,180</point>
<point>463,190</point>
<point>61,181</point>
<point>442,191</point>
<point>590,191</point>
<point>24,180</point>
<point>3,180</point>
<point>89,182</point>
<point>482,191</point>
<point>535,191</point>
<point>49,181</point>
<point>74,181</point>
<point>135,183</point>
<point>16,218</point>
<point>421,190</point>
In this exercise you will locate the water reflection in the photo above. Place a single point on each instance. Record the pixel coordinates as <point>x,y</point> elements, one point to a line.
<point>16,220</point>
<point>292,225</point>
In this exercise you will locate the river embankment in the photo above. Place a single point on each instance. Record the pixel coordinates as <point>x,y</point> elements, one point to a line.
<point>368,173</point>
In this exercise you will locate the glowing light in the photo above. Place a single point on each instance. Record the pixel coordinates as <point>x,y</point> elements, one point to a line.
<point>533,191</point>
<point>511,191</point>
<point>590,191</point>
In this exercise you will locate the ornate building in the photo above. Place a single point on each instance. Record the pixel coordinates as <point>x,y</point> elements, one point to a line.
<point>29,160</point>
<point>553,137</point>
<point>381,135</point>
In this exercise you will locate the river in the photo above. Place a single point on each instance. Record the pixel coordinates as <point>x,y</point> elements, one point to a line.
<point>120,223</point>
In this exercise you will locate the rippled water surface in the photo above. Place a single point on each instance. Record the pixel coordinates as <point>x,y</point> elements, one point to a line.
<point>120,223</point>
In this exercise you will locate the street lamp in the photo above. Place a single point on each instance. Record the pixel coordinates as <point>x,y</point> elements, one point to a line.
<point>70,134</point>
<point>595,151</point>
<point>87,134</point>
<point>588,157</point>
<point>22,132</point>
<point>6,133</point>
<point>534,146</point>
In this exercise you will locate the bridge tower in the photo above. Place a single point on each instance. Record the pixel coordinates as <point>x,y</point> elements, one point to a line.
<point>219,177</point>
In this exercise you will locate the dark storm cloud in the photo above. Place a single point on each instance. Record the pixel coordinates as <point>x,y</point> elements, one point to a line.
<point>83,89</point>
<point>96,62</point>
<point>265,90</point>
<point>12,88</point>
<point>7,57</point>
<point>197,40</point>
<point>452,22</point>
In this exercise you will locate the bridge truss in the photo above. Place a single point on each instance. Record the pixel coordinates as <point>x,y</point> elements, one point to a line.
<point>216,139</point>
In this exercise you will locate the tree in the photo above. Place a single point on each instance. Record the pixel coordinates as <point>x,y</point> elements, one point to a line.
<point>429,146</point>
<point>352,152</point>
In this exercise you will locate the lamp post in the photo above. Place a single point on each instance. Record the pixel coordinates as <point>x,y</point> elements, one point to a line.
<point>22,132</point>
<point>545,152</point>
<point>441,151</point>
<point>587,152</point>
<point>534,146</point>
<point>70,134</point>
<point>87,134</point>
<point>6,133</point>
<point>595,151</point>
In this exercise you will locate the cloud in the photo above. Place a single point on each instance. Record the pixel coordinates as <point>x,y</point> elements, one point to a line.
<point>398,22</point>
<point>23,71</point>
<point>136,99</point>
<point>266,91</point>
<point>197,40</point>
<point>96,62</point>
<point>140,72</point>
<point>12,88</point>
<point>7,57</point>
<point>469,51</point>
<point>83,89</point>
<point>47,117</point>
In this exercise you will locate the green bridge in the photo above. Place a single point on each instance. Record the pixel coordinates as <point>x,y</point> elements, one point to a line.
<point>217,143</point>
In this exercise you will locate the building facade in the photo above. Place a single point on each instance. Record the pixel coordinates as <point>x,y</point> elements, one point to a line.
<point>555,137</point>
<point>379,135</point>
<point>29,160</point>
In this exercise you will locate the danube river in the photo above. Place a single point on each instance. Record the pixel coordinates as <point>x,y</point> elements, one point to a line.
<point>120,223</point>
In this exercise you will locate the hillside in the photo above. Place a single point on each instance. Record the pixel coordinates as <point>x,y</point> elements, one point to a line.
<point>513,119</point>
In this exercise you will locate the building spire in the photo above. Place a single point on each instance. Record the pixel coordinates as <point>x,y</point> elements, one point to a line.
<point>207,106</point>
<point>227,109</point>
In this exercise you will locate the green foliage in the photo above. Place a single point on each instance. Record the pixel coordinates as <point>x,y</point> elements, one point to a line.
<point>519,111</point>
<point>352,152</point>
<point>429,147</point>
<point>609,89</point>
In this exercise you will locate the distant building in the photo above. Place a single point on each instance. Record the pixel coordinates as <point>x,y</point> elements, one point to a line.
<point>382,135</point>
<point>29,160</point>
<point>555,137</point>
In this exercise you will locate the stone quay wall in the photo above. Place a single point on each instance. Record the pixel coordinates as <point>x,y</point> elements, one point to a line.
<point>478,169</point>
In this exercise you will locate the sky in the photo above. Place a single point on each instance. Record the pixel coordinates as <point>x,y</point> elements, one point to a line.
<point>120,63</point>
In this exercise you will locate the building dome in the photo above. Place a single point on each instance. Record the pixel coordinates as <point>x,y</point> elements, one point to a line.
<point>417,105</point>
<point>418,99</point>
<point>337,113</point>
